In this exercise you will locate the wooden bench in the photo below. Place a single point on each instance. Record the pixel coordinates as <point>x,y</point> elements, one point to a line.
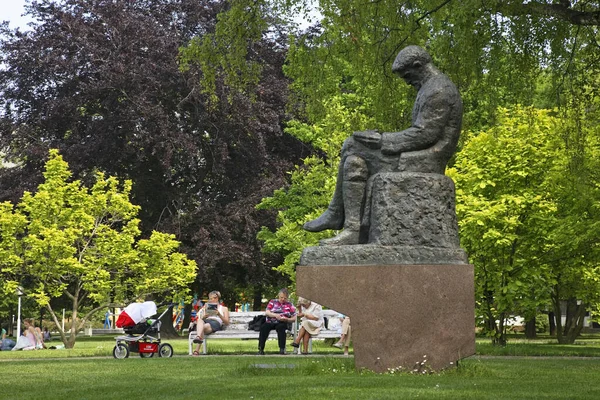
<point>237,329</point>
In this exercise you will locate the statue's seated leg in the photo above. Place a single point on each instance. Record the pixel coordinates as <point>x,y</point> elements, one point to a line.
<point>332,218</point>
<point>353,194</point>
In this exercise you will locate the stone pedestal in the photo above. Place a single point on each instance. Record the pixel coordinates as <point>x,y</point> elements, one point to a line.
<point>400,315</point>
<point>412,209</point>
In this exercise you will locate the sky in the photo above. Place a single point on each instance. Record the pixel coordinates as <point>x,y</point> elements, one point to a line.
<point>11,10</point>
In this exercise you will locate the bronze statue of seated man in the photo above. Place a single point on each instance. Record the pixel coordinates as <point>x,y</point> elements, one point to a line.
<point>425,147</point>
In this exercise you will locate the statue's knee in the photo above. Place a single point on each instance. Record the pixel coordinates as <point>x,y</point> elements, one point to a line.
<point>348,145</point>
<point>355,169</point>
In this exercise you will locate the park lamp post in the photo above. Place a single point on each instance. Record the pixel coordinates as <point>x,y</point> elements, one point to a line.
<point>20,293</point>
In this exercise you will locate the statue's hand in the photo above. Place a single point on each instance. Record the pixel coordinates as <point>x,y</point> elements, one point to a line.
<point>371,139</point>
<point>388,144</point>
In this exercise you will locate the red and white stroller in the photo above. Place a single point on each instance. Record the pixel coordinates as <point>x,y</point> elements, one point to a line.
<point>143,333</point>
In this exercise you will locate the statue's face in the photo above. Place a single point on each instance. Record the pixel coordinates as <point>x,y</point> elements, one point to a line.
<point>408,75</point>
<point>411,75</point>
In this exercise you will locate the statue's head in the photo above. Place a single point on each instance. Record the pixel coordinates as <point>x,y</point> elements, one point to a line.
<point>410,64</point>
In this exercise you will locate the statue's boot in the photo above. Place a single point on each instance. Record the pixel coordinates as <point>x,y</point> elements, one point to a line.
<point>332,218</point>
<point>354,193</point>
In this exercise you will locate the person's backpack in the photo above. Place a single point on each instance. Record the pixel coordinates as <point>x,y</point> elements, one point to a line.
<point>256,323</point>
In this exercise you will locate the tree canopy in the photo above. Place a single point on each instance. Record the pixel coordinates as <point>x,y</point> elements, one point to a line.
<point>203,139</point>
<point>493,50</point>
<point>68,241</point>
<point>501,55</point>
<point>102,82</point>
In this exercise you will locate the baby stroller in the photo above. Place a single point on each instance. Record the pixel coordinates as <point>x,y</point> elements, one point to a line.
<point>142,333</point>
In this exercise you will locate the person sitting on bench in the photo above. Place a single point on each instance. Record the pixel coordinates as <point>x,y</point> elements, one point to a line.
<point>211,318</point>
<point>312,322</point>
<point>280,312</point>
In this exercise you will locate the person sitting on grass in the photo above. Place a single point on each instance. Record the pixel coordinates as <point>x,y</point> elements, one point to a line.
<point>27,340</point>
<point>34,334</point>
<point>6,343</point>
<point>312,322</point>
<point>211,318</point>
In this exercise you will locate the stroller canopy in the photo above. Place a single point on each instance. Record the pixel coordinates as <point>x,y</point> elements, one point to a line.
<point>136,312</point>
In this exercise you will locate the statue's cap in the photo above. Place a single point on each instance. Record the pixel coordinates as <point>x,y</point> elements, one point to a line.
<point>410,55</point>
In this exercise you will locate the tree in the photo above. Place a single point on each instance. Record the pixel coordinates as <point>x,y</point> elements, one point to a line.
<point>574,254</point>
<point>492,49</point>
<point>311,186</point>
<point>103,82</point>
<point>531,241</point>
<point>500,54</point>
<point>505,214</point>
<point>68,241</point>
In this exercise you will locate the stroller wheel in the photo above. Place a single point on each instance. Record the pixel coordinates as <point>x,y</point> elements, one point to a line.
<point>121,351</point>
<point>165,350</point>
<point>146,355</point>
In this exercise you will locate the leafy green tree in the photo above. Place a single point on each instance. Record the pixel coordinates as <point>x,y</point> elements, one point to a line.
<point>505,213</point>
<point>492,49</point>
<point>68,241</point>
<point>532,240</point>
<point>312,185</point>
<point>102,81</point>
<point>574,255</point>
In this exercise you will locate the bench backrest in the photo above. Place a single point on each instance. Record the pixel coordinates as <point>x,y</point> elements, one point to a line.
<point>239,320</point>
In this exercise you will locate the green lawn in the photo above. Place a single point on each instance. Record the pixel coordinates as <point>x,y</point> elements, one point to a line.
<point>98,346</point>
<point>287,377</point>
<point>228,375</point>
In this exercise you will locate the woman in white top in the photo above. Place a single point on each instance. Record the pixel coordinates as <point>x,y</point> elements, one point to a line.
<point>211,318</point>
<point>312,322</point>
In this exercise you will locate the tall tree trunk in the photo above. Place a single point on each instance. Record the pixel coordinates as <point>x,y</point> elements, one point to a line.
<point>574,321</point>
<point>257,301</point>
<point>500,337</point>
<point>530,329</point>
<point>558,315</point>
<point>167,330</point>
<point>552,323</point>
<point>490,319</point>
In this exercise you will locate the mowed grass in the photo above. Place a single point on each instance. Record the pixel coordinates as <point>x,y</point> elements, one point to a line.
<point>232,371</point>
<point>101,346</point>
<point>585,346</point>
<point>293,377</point>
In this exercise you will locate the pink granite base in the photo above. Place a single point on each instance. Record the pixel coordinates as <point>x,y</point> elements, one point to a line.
<point>400,315</point>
